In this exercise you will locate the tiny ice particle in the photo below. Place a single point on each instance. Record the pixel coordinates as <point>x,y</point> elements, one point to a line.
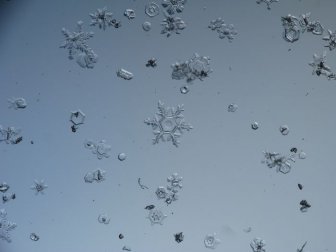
<point>34,237</point>
<point>210,241</point>
<point>39,186</point>
<point>122,73</point>
<point>122,156</point>
<point>302,155</point>
<point>184,90</point>
<point>152,9</point>
<point>179,237</point>
<point>147,26</point>
<point>284,130</point>
<point>129,13</point>
<point>232,107</point>
<point>104,219</point>
<point>255,126</point>
<point>17,103</point>
<point>161,192</point>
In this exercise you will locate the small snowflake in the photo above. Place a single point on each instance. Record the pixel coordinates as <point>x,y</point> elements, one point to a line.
<point>76,41</point>
<point>175,182</point>
<point>39,186</point>
<point>320,67</point>
<point>280,162</point>
<point>17,103</point>
<point>223,30</point>
<point>173,6</point>
<point>161,192</point>
<point>168,124</point>
<point>10,135</point>
<point>314,27</point>
<point>267,2</point>
<point>210,241</point>
<point>258,245</point>
<point>102,18</point>
<point>172,25</point>
<point>5,226</point>
<point>331,39</point>
<point>156,216</point>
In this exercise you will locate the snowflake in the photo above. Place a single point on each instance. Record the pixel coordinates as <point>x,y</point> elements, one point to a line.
<point>168,124</point>
<point>223,30</point>
<point>258,245</point>
<point>172,24</point>
<point>97,175</point>
<point>280,162</point>
<point>320,67</point>
<point>210,241</point>
<point>175,182</point>
<point>5,226</point>
<point>173,6</point>
<point>216,24</point>
<point>102,18</point>
<point>198,67</point>
<point>156,216</point>
<point>17,103</point>
<point>10,135</point>
<point>314,27</point>
<point>39,186</point>
<point>76,41</point>
<point>161,192</point>
<point>331,38</point>
<point>267,2</point>
<point>101,149</point>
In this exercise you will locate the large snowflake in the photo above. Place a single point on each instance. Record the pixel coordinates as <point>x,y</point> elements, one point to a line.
<point>5,226</point>
<point>168,124</point>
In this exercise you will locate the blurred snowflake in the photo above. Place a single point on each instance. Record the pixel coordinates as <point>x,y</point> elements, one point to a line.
<point>10,135</point>
<point>5,226</point>
<point>267,2</point>
<point>314,27</point>
<point>168,124</point>
<point>210,241</point>
<point>173,6</point>
<point>331,39</point>
<point>39,186</point>
<point>223,30</point>
<point>156,216</point>
<point>102,18</point>
<point>175,182</point>
<point>258,245</point>
<point>17,103</point>
<point>101,148</point>
<point>172,25</point>
<point>320,67</point>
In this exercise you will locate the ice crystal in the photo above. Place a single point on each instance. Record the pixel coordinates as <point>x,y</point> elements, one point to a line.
<point>103,219</point>
<point>152,9</point>
<point>198,67</point>
<point>101,149</point>
<point>161,192</point>
<point>320,67</point>
<point>17,103</point>
<point>10,135</point>
<point>175,182</point>
<point>258,245</point>
<point>331,39</point>
<point>223,30</point>
<point>5,226</point>
<point>39,186</point>
<point>97,175</point>
<point>173,6</point>
<point>172,25</point>
<point>156,216</point>
<point>267,2</point>
<point>280,162</point>
<point>102,18</point>
<point>210,241</point>
<point>168,124</point>
<point>314,27</point>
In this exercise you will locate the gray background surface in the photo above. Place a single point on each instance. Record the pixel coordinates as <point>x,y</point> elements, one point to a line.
<point>226,187</point>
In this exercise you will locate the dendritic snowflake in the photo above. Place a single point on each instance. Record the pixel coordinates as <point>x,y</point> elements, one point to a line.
<point>267,2</point>
<point>102,18</point>
<point>280,162</point>
<point>168,124</point>
<point>198,67</point>
<point>156,216</point>
<point>10,135</point>
<point>331,39</point>
<point>320,67</point>
<point>258,245</point>
<point>5,226</point>
<point>172,25</point>
<point>173,6</point>
<point>76,44</point>
<point>210,241</point>
<point>223,30</point>
<point>39,186</point>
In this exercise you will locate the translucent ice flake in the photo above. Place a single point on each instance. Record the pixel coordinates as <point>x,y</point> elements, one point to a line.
<point>152,9</point>
<point>77,118</point>
<point>39,186</point>
<point>4,187</point>
<point>17,103</point>
<point>124,74</point>
<point>255,125</point>
<point>10,135</point>
<point>258,245</point>
<point>331,39</point>
<point>161,192</point>
<point>232,107</point>
<point>129,13</point>
<point>210,241</point>
<point>224,30</point>
<point>34,237</point>
<point>320,67</point>
<point>173,6</point>
<point>314,27</point>
<point>87,59</point>
<point>103,219</point>
<point>168,124</point>
<point>102,18</point>
<point>280,162</point>
<point>101,149</point>
<point>267,2</point>
<point>97,175</point>
<point>172,25</point>
<point>291,27</point>
<point>122,156</point>
<point>174,182</point>
<point>147,26</point>
<point>156,216</point>
<point>5,226</point>
<point>197,67</point>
